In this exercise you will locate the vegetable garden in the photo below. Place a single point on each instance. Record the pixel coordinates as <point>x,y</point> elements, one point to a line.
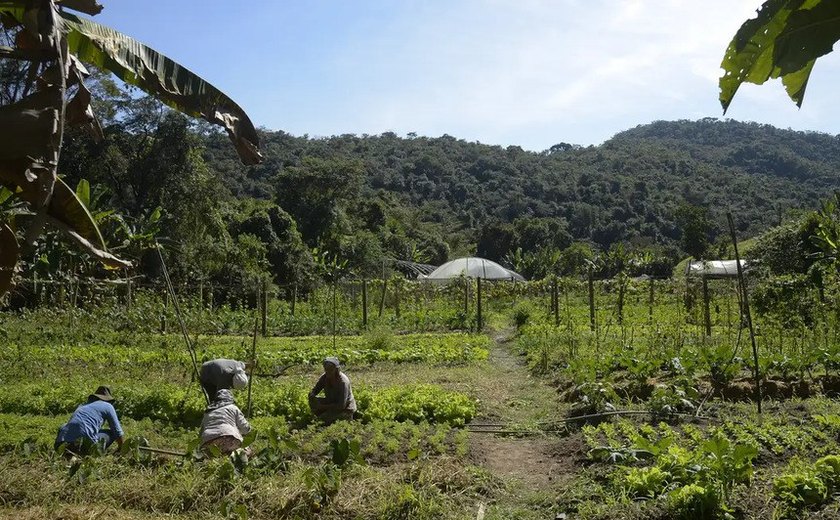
<point>636,410</point>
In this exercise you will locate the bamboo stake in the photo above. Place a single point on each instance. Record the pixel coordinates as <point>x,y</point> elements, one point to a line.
<point>745,296</point>
<point>264,309</point>
<point>478,316</point>
<point>707,316</point>
<point>591,299</point>
<point>253,361</point>
<point>364,304</point>
<point>190,348</point>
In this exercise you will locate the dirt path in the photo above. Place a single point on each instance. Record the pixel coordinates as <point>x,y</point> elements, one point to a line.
<point>537,462</point>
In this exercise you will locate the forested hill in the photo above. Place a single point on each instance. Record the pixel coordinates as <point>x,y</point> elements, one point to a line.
<point>661,188</point>
<point>627,189</point>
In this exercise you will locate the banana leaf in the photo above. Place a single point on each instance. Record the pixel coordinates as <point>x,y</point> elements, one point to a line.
<point>151,71</point>
<point>91,7</point>
<point>173,84</point>
<point>27,127</point>
<point>65,211</point>
<point>8,257</point>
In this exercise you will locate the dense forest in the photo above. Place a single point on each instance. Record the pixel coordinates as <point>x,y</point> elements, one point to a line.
<point>354,202</point>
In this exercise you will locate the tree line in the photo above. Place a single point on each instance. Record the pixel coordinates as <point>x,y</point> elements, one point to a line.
<point>344,205</point>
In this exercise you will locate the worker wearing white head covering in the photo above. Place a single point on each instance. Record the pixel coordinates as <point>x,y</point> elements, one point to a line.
<point>223,374</point>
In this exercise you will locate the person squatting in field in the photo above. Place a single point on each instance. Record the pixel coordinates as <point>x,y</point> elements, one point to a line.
<point>84,432</point>
<point>338,401</point>
<point>223,374</point>
<point>223,424</point>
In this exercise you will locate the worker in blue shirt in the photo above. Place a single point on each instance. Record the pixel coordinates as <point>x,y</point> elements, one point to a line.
<point>87,422</point>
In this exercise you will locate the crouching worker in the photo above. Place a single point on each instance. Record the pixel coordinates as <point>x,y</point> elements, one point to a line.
<point>84,431</point>
<point>223,374</point>
<point>223,424</point>
<point>338,402</point>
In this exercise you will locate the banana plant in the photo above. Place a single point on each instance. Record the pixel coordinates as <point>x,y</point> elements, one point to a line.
<point>55,44</point>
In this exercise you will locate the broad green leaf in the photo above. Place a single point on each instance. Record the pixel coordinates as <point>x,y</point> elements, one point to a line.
<point>749,56</point>
<point>161,77</point>
<point>83,192</point>
<point>809,33</point>
<point>783,41</point>
<point>155,216</point>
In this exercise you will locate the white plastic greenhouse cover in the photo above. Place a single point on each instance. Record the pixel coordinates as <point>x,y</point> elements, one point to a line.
<point>473,267</point>
<point>715,268</point>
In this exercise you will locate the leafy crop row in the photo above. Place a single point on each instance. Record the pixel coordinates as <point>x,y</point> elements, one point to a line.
<point>162,350</point>
<point>381,442</point>
<point>185,406</point>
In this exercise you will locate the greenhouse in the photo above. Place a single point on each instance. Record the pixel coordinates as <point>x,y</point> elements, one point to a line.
<point>473,267</point>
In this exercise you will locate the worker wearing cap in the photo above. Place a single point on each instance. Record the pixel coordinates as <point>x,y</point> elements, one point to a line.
<point>338,401</point>
<point>223,374</point>
<point>87,421</point>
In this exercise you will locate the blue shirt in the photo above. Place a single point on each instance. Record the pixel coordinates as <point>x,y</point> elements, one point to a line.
<point>88,419</point>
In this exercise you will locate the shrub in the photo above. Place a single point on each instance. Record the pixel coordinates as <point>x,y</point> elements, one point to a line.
<point>522,314</point>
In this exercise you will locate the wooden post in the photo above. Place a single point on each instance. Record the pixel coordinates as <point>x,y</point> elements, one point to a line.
<point>707,317</point>
<point>364,304</point>
<point>746,300</point>
<point>210,298</point>
<point>294,298</point>
<point>591,300</point>
<point>129,293</point>
<point>622,286</point>
<point>478,317</point>
<point>555,302</point>
<point>382,300</point>
<point>253,362</point>
<point>165,311</point>
<point>334,306</point>
<point>264,308</point>
<point>466,296</point>
<point>650,300</point>
<point>397,298</point>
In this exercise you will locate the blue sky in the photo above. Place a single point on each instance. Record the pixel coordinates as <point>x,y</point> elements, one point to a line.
<point>531,73</point>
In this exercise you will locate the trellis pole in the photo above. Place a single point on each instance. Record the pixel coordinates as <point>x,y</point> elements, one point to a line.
<point>748,315</point>
<point>478,317</point>
<point>364,304</point>
<point>190,347</point>
<point>707,316</point>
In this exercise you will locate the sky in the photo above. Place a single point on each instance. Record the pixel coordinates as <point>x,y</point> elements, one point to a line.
<point>530,73</point>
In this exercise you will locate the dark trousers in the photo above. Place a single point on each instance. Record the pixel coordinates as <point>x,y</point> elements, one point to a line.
<point>84,446</point>
<point>210,389</point>
<point>328,417</point>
